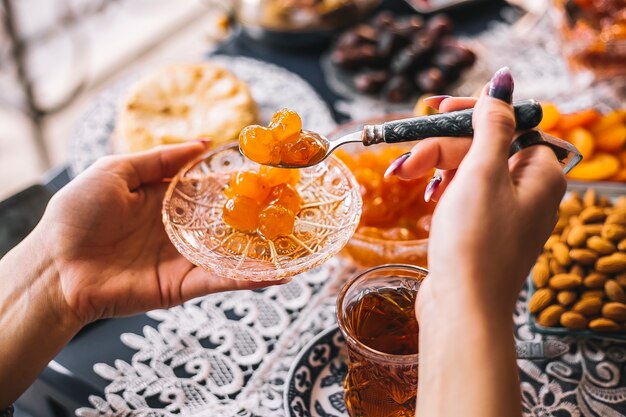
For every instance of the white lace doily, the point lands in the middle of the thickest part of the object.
(272, 88)
(222, 355)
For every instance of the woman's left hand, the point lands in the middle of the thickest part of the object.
(105, 235)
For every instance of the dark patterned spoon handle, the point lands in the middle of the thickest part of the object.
(528, 114)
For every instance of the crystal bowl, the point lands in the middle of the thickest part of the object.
(367, 251)
(192, 215)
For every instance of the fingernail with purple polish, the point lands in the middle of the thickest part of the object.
(501, 85)
(397, 163)
(432, 186)
(435, 101)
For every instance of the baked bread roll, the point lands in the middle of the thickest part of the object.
(184, 102)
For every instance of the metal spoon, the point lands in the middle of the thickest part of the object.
(528, 114)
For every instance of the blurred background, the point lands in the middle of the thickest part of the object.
(57, 56)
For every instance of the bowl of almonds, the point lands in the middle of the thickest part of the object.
(578, 284)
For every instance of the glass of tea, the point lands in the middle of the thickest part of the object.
(376, 314)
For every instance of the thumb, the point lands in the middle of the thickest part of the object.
(494, 123)
(156, 164)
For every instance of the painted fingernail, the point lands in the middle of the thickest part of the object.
(204, 141)
(396, 164)
(432, 186)
(434, 101)
(501, 85)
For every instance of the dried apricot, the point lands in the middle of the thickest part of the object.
(275, 221)
(581, 118)
(602, 166)
(550, 118)
(582, 139)
(620, 176)
(241, 213)
(608, 120)
(612, 138)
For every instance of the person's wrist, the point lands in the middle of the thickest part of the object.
(46, 286)
(461, 302)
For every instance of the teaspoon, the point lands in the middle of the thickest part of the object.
(528, 114)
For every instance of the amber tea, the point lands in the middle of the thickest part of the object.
(384, 320)
(376, 313)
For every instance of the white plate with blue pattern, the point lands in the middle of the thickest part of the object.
(315, 381)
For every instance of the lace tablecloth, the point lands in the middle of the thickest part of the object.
(228, 355)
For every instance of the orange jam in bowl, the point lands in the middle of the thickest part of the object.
(395, 221)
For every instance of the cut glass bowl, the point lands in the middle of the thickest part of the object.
(192, 215)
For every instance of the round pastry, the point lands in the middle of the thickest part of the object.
(184, 102)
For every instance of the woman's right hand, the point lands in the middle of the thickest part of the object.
(494, 213)
(493, 216)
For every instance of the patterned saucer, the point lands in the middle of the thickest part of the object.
(315, 381)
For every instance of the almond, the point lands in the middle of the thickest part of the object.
(560, 224)
(550, 316)
(617, 217)
(612, 264)
(622, 245)
(551, 241)
(592, 294)
(600, 245)
(565, 282)
(576, 236)
(560, 251)
(614, 232)
(541, 274)
(603, 201)
(574, 221)
(614, 292)
(540, 300)
(571, 207)
(573, 320)
(614, 311)
(604, 325)
(592, 214)
(555, 267)
(583, 256)
(565, 233)
(621, 279)
(567, 297)
(593, 229)
(577, 270)
(589, 199)
(595, 280)
(588, 306)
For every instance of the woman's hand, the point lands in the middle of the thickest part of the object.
(105, 234)
(494, 213)
(100, 250)
(493, 216)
